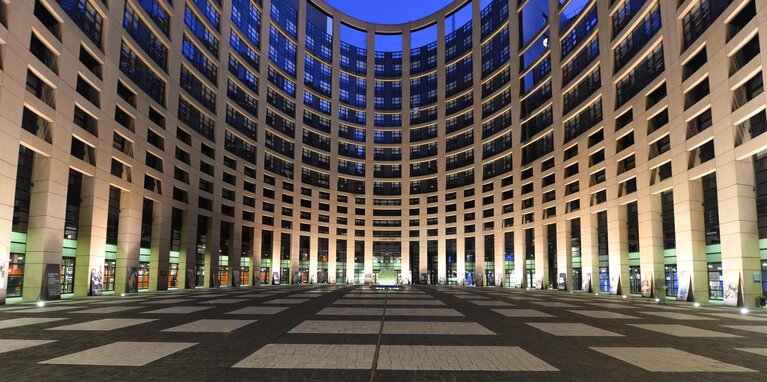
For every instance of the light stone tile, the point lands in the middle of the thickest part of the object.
(390, 301)
(310, 356)
(522, 298)
(208, 295)
(521, 313)
(554, 304)
(459, 358)
(442, 328)
(491, 303)
(682, 330)
(337, 327)
(288, 301)
(122, 300)
(46, 309)
(471, 297)
(611, 305)
(105, 324)
(16, 322)
(178, 310)
(224, 301)
(435, 312)
(679, 316)
(210, 326)
(743, 317)
(758, 351)
(166, 301)
(427, 312)
(604, 314)
(107, 309)
(12, 345)
(669, 360)
(259, 310)
(122, 354)
(566, 329)
(751, 328)
(351, 311)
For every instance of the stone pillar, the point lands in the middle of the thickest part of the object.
(212, 251)
(565, 253)
(128, 242)
(691, 238)
(313, 252)
(618, 249)
(441, 259)
(91, 233)
(187, 254)
(235, 255)
(405, 262)
(159, 258)
(541, 274)
(589, 255)
(738, 228)
(651, 242)
(460, 249)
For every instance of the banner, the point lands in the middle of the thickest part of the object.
(132, 286)
(586, 286)
(647, 285)
(276, 278)
(615, 284)
(562, 281)
(732, 288)
(52, 281)
(684, 286)
(96, 282)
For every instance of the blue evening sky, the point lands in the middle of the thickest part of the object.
(388, 11)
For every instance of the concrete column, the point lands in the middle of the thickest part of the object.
(45, 235)
(651, 242)
(460, 248)
(350, 261)
(691, 238)
(313, 252)
(91, 233)
(519, 258)
(565, 253)
(500, 252)
(541, 274)
(405, 269)
(128, 241)
(441, 259)
(212, 251)
(256, 257)
(589, 256)
(618, 249)
(738, 228)
(479, 259)
(187, 254)
(235, 254)
(422, 257)
(159, 260)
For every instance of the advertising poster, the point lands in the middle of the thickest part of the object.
(647, 287)
(684, 286)
(52, 280)
(189, 278)
(236, 278)
(586, 287)
(96, 282)
(562, 281)
(132, 280)
(276, 278)
(615, 284)
(732, 288)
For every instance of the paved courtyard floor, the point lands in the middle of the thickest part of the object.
(335, 333)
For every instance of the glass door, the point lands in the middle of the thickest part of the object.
(67, 275)
(635, 280)
(173, 276)
(715, 282)
(15, 275)
(110, 267)
(143, 276)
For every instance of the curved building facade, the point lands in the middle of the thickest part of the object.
(603, 146)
